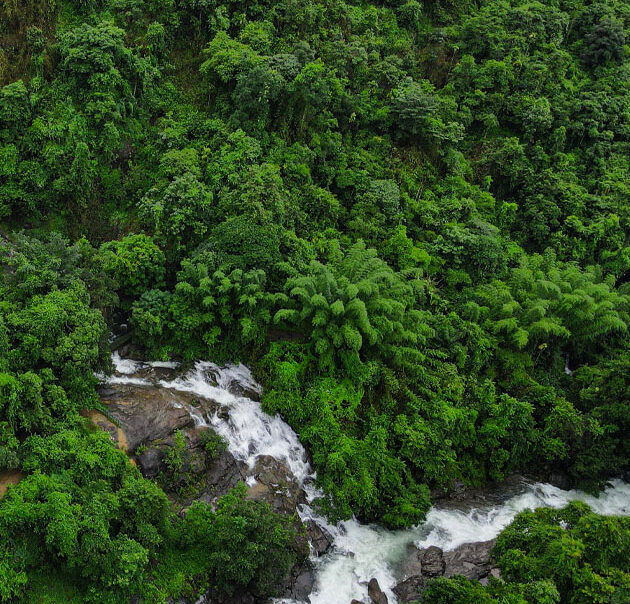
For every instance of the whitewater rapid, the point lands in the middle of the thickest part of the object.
(359, 552)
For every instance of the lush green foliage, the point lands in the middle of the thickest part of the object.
(571, 556)
(86, 514)
(411, 219)
(585, 555)
(82, 509)
(240, 545)
(83, 522)
(52, 338)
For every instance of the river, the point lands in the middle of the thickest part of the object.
(359, 552)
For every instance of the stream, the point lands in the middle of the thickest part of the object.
(359, 552)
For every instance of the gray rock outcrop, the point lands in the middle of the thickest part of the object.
(471, 560)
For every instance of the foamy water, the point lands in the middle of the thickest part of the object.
(359, 552)
(248, 430)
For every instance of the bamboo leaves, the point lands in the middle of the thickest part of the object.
(354, 305)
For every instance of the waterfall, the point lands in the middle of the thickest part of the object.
(359, 552)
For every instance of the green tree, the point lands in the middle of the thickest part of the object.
(356, 305)
(585, 555)
(136, 263)
(180, 207)
(84, 508)
(244, 544)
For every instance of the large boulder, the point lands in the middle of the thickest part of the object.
(375, 593)
(275, 485)
(472, 560)
(146, 420)
(242, 389)
(299, 582)
(223, 473)
(238, 386)
(319, 537)
(146, 413)
(433, 563)
(427, 562)
(150, 462)
(410, 590)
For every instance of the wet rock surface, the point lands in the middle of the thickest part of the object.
(243, 390)
(427, 562)
(300, 582)
(491, 494)
(223, 473)
(561, 480)
(319, 537)
(275, 485)
(144, 419)
(234, 386)
(150, 462)
(375, 593)
(461, 495)
(472, 560)
(146, 414)
(147, 418)
(411, 589)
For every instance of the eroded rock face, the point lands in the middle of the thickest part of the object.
(148, 418)
(433, 563)
(275, 485)
(299, 582)
(150, 462)
(223, 473)
(410, 590)
(427, 562)
(472, 560)
(146, 414)
(240, 389)
(320, 538)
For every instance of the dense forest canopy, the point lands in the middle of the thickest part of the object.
(411, 219)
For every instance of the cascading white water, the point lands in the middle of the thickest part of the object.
(359, 552)
(362, 552)
(249, 431)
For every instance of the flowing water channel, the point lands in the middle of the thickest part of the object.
(359, 552)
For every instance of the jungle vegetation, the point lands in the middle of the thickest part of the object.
(411, 219)
(551, 556)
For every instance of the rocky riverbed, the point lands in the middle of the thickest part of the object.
(148, 404)
(144, 416)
